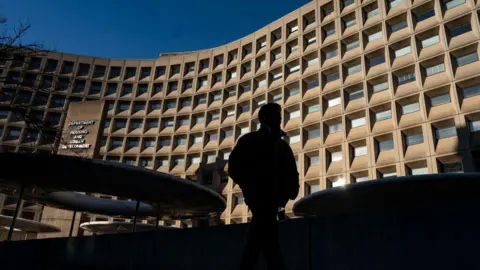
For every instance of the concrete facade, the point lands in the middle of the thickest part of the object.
(369, 89)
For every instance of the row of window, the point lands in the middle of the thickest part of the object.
(455, 28)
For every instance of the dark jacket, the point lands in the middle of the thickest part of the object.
(264, 167)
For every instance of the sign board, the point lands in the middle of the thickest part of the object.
(76, 135)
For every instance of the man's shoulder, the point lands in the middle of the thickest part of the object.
(251, 136)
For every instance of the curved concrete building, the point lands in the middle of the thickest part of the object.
(369, 89)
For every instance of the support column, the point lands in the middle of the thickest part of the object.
(15, 214)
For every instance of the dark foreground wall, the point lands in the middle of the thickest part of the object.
(414, 239)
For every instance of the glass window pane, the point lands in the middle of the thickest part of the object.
(358, 122)
(333, 128)
(410, 108)
(440, 99)
(352, 45)
(295, 114)
(380, 87)
(380, 116)
(425, 15)
(404, 79)
(442, 133)
(377, 60)
(385, 145)
(294, 139)
(354, 69)
(467, 59)
(399, 26)
(331, 54)
(430, 41)
(403, 51)
(360, 151)
(395, 3)
(455, 167)
(471, 91)
(313, 108)
(435, 69)
(475, 126)
(453, 3)
(461, 29)
(355, 95)
(312, 134)
(334, 102)
(375, 36)
(336, 156)
(414, 139)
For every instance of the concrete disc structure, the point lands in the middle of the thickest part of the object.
(169, 194)
(409, 192)
(26, 225)
(107, 227)
(84, 203)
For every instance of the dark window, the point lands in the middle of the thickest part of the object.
(157, 88)
(67, 67)
(120, 124)
(53, 119)
(466, 59)
(454, 167)
(146, 72)
(127, 89)
(377, 60)
(130, 72)
(95, 88)
(385, 145)
(47, 82)
(355, 95)
(461, 29)
(414, 139)
(99, 71)
(114, 72)
(332, 77)
(471, 91)
(83, 69)
(116, 143)
(124, 106)
(440, 99)
(142, 89)
(41, 99)
(30, 136)
(111, 88)
(159, 71)
(3, 114)
(51, 65)
(152, 123)
(62, 85)
(425, 15)
(404, 79)
(79, 86)
(139, 107)
(58, 102)
(442, 133)
(35, 63)
(136, 124)
(13, 134)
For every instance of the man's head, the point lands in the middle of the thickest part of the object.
(270, 115)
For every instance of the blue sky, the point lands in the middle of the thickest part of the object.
(141, 28)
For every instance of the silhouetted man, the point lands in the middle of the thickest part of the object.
(264, 166)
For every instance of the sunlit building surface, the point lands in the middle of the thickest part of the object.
(369, 90)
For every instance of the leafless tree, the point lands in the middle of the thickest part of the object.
(24, 84)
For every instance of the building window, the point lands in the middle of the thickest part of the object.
(196, 160)
(350, 22)
(466, 59)
(380, 116)
(127, 89)
(314, 160)
(358, 122)
(311, 84)
(414, 139)
(313, 108)
(165, 142)
(440, 99)
(119, 124)
(197, 139)
(354, 69)
(336, 156)
(425, 15)
(471, 91)
(355, 95)
(212, 137)
(442, 133)
(181, 141)
(142, 89)
(169, 123)
(403, 51)
(394, 3)
(152, 124)
(130, 161)
(372, 13)
(294, 114)
(163, 162)
(334, 102)
(385, 145)
(360, 151)
(453, 3)
(331, 54)
(67, 67)
(116, 143)
(374, 36)
(404, 79)
(96, 88)
(329, 32)
(130, 72)
(13, 134)
(83, 69)
(379, 87)
(294, 139)
(454, 167)
(474, 126)
(430, 41)
(332, 77)
(313, 134)
(410, 108)
(399, 26)
(334, 128)
(376, 60)
(388, 175)
(133, 142)
(435, 69)
(461, 29)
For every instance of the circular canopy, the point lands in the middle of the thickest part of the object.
(171, 195)
(421, 191)
(85, 203)
(27, 225)
(106, 227)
